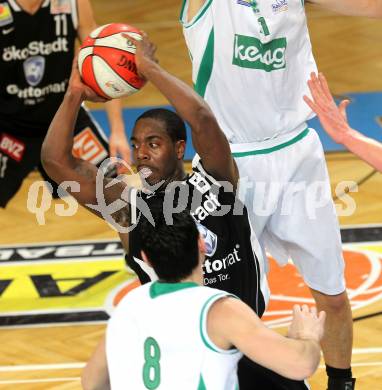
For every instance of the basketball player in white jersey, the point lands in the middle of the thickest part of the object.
(334, 121)
(251, 60)
(175, 334)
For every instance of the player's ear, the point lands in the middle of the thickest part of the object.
(201, 245)
(146, 259)
(180, 148)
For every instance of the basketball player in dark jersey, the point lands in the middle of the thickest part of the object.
(37, 50)
(208, 193)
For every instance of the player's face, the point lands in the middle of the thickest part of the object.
(154, 152)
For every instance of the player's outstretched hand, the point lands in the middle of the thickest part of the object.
(306, 324)
(76, 85)
(145, 52)
(333, 119)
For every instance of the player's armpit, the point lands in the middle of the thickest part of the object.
(193, 8)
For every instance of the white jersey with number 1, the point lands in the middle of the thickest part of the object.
(251, 62)
(157, 339)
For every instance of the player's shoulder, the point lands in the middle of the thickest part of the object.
(198, 169)
(135, 296)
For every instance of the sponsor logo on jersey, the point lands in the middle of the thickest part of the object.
(210, 239)
(200, 183)
(217, 265)
(87, 147)
(250, 52)
(36, 93)
(12, 147)
(5, 14)
(35, 48)
(249, 3)
(34, 68)
(246, 3)
(60, 7)
(280, 6)
(209, 205)
(7, 31)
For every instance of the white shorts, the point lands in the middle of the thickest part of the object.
(287, 193)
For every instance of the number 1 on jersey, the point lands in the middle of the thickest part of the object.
(151, 368)
(264, 26)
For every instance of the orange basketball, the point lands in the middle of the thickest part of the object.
(107, 61)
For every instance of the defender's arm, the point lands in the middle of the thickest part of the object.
(118, 143)
(295, 358)
(95, 375)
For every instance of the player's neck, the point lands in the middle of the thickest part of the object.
(30, 6)
(178, 175)
(195, 277)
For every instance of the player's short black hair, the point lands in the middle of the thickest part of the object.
(174, 124)
(172, 249)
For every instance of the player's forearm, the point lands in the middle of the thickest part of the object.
(308, 354)
(366, 148)
(295, 359)
(368, 8)
(57, 147)
(114, 115)
(190, 106)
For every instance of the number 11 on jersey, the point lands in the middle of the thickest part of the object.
(61, 24)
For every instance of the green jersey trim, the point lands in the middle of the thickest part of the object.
(203, 324)
(197, 17)
(201, 385)
(182, 11)
(206, 65)
(298, 137)
(158, 288)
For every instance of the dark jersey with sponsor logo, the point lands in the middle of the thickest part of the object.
(35, 63)
(231, 263)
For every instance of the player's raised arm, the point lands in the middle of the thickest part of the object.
(334, 121)
(295, 357)
(208, 139)
(56, 153)
(369, 8)
(118, 144)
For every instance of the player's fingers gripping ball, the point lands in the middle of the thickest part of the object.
(107, 61)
